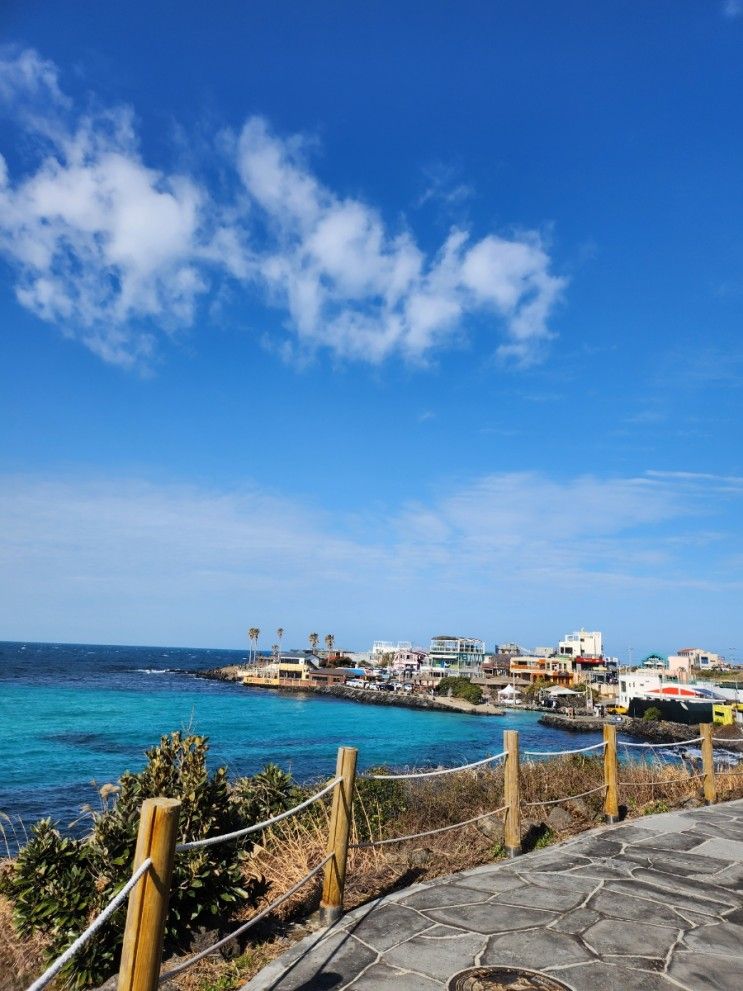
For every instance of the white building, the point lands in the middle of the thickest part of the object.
(707, 660)
(456, 652)
(582, 644)
(380, 648)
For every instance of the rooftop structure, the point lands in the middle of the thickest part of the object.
(457, 652)
(582, 644)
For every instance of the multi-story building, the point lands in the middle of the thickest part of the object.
(408, 661)
(582, 644)
(457, 652)
(707, 660)
(383, 648)
(559, 669)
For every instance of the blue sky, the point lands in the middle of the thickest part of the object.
(375, 319)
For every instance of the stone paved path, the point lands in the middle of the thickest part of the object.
(653, 905)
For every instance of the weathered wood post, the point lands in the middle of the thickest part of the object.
(511, 794)
(334, 881)
(141, 953)
(708, 764)
(611, 796)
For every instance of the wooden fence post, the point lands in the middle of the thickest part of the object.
(334, 881)
(141, 953)
(708, 764)
(511, 794)
(611, 797)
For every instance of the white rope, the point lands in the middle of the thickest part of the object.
(251, 922)
(562, 753)
(429, 832)
(94, 926)
(662, 746)
(224, 837)
(431, 774)
(558, 801)
(731, 741)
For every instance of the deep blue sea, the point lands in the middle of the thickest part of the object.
(73, 717)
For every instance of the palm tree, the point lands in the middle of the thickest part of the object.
(329, 641)
(253, 634)
(280, 637)
(314, 639)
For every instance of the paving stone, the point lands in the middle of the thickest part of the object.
(656, 965)
(618, 905)
(598, 976)
(536, 949)
(701, 890)
(730, 830)
(672, 841)
(491, 881)
(672, 822)
(601, 846)
(551, 862)
(630, 834)
(629, 937)
(604, 868)
(724, 849)
(492, 918)
(699, 971)
(730, 877)
(568, 882)
(577, 921)
(672, 862)
(436, 958)
(666, 895)
(334, 962)
(539, 896)
(445, 894)
(388, 925)
(723, 938)
(380, 977)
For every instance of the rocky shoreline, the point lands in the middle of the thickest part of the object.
(653, 732)
(364, 696)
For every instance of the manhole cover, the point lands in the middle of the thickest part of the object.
(504, 979)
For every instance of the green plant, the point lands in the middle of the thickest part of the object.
(652, 715)
(460, 688)
(58, 884)
(656, 807)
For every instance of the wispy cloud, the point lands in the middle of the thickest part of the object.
(732, 9)
(114, 251)
(132, 557)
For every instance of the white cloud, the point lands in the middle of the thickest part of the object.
(113, 250)
(732, 9)
(172, 563)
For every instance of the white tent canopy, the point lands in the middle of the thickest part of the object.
(562, 691)
(509, 691)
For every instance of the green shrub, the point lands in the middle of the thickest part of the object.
(652, 715)
(57, 884)
(460, 688)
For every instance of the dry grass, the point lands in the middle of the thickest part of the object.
(21, 960)
(289, 850)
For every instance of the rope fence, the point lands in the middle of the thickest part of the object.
(568, 798)
(437, 772)
(428, 832)
(157, 846)
(238, 833)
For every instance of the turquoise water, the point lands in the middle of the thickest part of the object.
(73, 715)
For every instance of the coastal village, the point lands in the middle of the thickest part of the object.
(575, 676)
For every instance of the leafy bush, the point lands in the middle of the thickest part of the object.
(652, 715)
(58, 884)
(460, 688)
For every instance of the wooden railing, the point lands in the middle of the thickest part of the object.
(148, 889)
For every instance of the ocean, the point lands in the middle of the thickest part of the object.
(73, 717)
